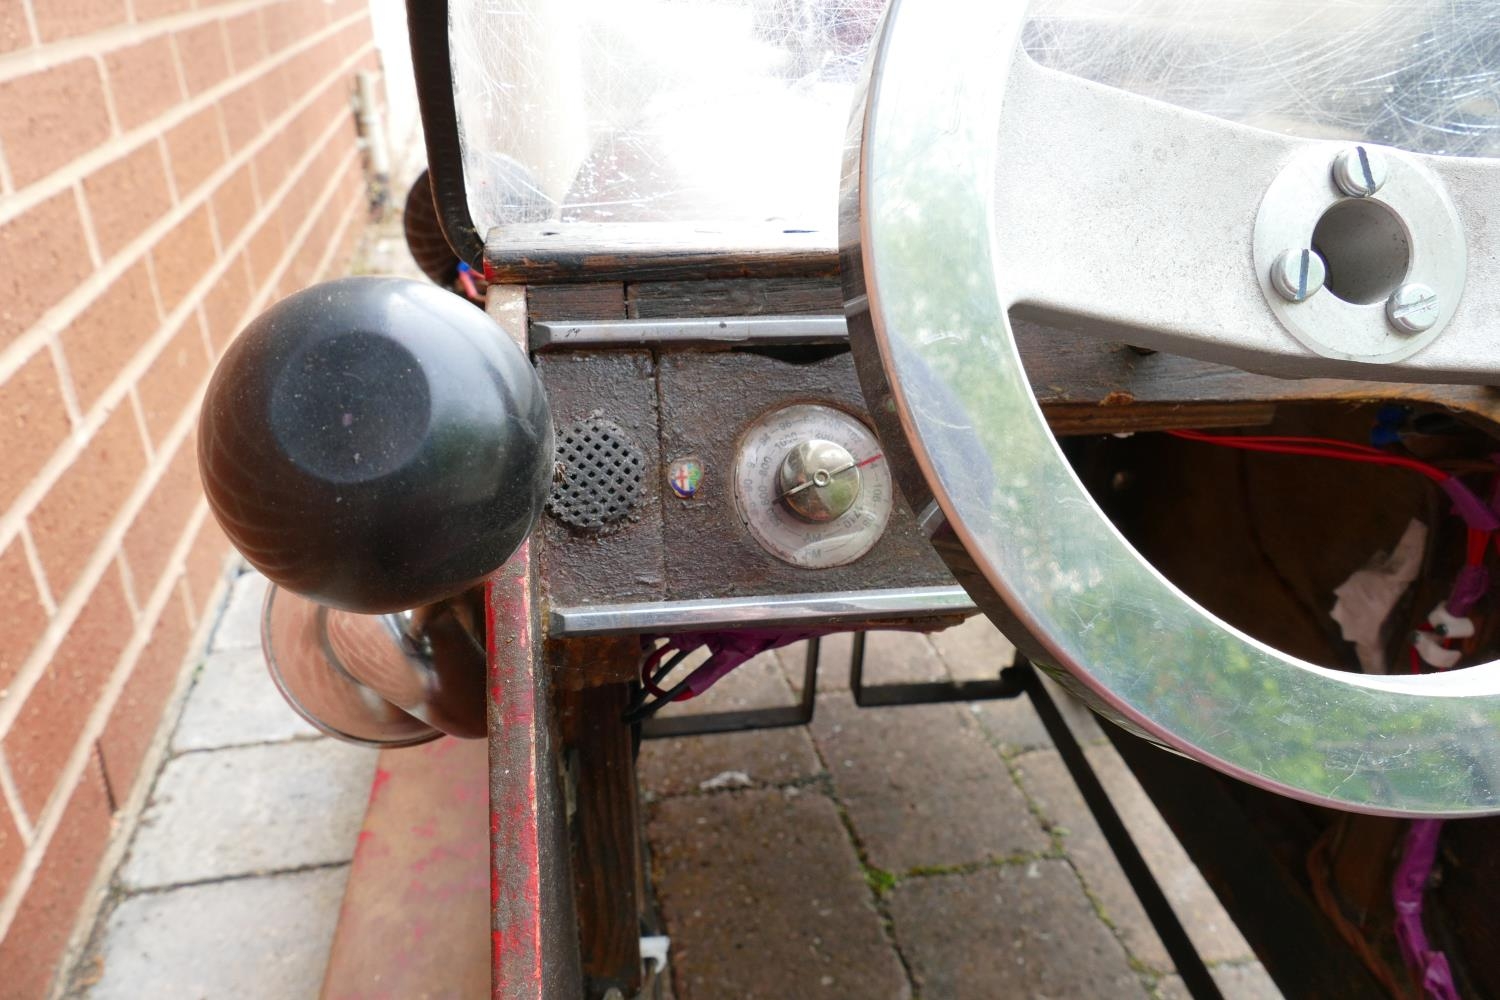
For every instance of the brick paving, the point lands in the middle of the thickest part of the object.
(232, 882)
(944, 842)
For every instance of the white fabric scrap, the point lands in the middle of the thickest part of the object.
(1430, 649)
(1364, 601)
(1447, 625)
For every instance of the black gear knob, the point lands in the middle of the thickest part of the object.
(375, 444)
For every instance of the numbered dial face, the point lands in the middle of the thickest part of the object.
(807, 439)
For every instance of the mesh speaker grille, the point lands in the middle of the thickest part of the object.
(600, 482)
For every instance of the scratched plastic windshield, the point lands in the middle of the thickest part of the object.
(735, 111)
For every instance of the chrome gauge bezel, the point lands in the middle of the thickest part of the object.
(759, 453)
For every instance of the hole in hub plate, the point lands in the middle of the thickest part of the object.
(1366, 248)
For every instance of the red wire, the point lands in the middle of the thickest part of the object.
(1294, 439)
(1325, 448)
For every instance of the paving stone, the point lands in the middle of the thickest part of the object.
(922, 786)
(1022, 930)
(974, 650)
(833, 663)
(1082, 720)
(239, 626)
(763, 896)
(220, 813)
(768, 757)
(1012, 723)
(245, 938)
(890, 657)
(1046, 780)
(234, 702)
(1237, 982)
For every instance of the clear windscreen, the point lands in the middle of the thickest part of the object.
(736, 111)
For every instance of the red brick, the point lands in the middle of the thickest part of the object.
(41, 259)
(247, 40)
(234, 204)
(33, 423)
(273, 96)
(65, 18)
(205, 60)
(182, 257)
(143, 80)
(31, 949)
(126, 196)
(15, 33)
(146, 10)
(196, 148)
(50, 722)
(49, 118)
(173, 378)
(109, 333)
(25, 620)
(11, 848)
(266, 248)
(205, 562)
(138, 712)
(225, 305)
(71, 519)
(242, 120)
(286, 23)
(163, 519)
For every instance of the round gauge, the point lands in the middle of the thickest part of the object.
(812, 486)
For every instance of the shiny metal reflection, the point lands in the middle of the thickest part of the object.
(928, 315)
(318, 686)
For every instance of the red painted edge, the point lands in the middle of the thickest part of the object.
(515, 837)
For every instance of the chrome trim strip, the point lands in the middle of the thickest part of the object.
(780, 611)
(741, 331)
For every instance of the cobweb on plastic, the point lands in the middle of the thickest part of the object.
(660, 110)
(736, 110)
(1422, 75)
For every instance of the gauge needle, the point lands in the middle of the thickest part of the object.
(821, 478)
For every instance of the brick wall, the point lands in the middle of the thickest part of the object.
(167, 169)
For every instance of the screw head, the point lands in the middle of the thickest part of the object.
(1412, 308)
(1359, 171)
(1298, 274)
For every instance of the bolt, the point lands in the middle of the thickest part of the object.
(1412, 308)
(1298, 274)
(1359, 172)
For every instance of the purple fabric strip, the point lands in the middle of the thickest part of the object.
(728, 649)
(1472, 583)
(1417, 857)
(1475, 512)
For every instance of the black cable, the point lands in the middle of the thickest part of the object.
(639, 700)
(646, 711)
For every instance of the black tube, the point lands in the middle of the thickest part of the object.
(427, 25)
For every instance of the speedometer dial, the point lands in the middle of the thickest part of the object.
(811, 486)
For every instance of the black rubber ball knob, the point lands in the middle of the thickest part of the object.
(375, 444)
